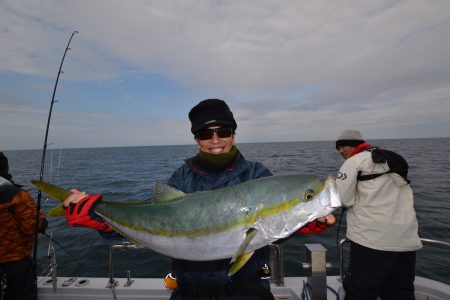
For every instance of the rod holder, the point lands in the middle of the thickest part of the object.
(316, 270)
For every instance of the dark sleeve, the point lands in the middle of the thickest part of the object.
(259, 171)
(176, 179)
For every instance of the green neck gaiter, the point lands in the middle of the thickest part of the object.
(217, 162)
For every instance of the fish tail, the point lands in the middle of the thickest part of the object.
(52, 190)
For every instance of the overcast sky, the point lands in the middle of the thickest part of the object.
(290, 70)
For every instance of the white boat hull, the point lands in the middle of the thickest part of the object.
(153, 288)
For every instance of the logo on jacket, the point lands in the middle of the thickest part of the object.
(341, 176)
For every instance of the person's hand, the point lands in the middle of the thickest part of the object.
(75, 197)
(328, 219)
(318, 225)
(79, 211)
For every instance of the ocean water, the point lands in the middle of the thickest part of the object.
(126, 173)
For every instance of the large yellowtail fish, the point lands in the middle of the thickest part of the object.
(230, 222)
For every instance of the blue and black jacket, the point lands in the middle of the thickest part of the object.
(191, 177)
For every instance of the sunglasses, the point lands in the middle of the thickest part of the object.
(207, 133)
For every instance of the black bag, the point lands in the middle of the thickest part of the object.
(397, 164)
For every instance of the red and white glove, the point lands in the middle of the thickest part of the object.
(314, 227)
(81, 214)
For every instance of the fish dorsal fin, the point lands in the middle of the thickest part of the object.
(164, 193)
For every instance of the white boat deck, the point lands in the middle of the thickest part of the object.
(321, 287)
(153, 288)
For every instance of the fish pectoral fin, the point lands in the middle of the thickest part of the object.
(249, 235)
(57, 211)
(164, 193)
(240, 261)
(52, 190)
(241, 257)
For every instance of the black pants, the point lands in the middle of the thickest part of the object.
(19, 281)
(372, 273)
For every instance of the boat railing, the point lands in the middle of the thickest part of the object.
(435, 242)
(341, 258)
(276, 261)
(50, 273)
(276, 264)
(125, 246)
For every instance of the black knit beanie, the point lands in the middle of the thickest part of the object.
(211, 112)
(350, 137)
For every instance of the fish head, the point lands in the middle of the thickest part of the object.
(328, 196)
(301, 198)
(314, 197)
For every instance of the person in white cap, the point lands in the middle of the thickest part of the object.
(381, 224)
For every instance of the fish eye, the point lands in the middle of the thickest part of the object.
(309, 195)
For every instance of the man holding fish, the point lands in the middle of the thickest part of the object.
(238, 217)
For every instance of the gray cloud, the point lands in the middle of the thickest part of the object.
(381, 66)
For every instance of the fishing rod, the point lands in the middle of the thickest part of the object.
(51, 238)
(41, 176)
